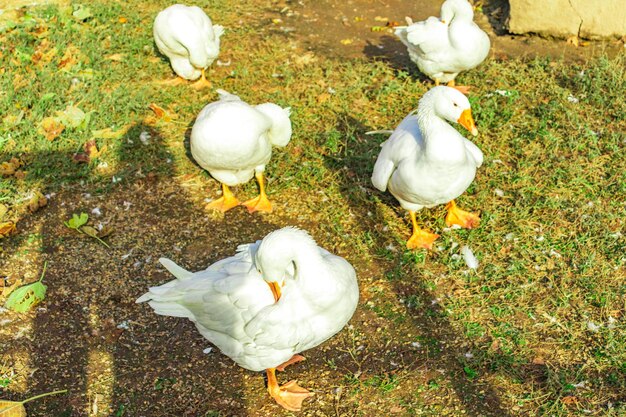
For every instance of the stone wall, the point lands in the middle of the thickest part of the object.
(562, 18)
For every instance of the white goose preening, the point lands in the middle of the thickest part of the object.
(441, 48)
(233, 141)
(261, 307)
(186, 35)
(426, 162)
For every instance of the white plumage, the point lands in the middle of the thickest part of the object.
(233, 306)
(425, 161)
(186, 35)
(233, 140)
(441, 48)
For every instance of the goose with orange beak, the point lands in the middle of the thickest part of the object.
(426, 162)
(261, 307)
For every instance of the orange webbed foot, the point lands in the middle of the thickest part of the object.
(290, 395)
(421, 239)
(222, 204)
(260, 203)
(201, 83)
(465, 219)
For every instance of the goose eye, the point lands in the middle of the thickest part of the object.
(456, 105)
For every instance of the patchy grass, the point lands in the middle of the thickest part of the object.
(538, 329)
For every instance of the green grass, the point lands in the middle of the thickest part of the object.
(552, 259)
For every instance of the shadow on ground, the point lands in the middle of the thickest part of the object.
(113, 356)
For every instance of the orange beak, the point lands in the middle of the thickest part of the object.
(467, 121)
(275, 290)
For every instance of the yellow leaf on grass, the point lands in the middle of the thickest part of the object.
(160, 112)
(13, 120)
(37, 201)
(69, 59)
(7, 290)
(6, 229)
(91, 149)
(51, 128)
(116, 57)
(12, 409)
(346, 41)
(10, 167)
(73, 117)
(109, 133)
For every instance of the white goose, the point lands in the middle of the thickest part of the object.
(233, 141)
(186, 35)
(442, 48)
(273, 299)
(426, 162)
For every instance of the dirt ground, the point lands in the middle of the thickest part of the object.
(357, 29)
(116, 359)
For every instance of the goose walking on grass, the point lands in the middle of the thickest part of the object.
(443, 47)
(233, 141)
(426, 162)
(186, 35)
(261, 307)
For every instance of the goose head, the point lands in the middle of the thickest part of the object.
(280, 132)
(451, 9)
(278, 257)
(451, 105)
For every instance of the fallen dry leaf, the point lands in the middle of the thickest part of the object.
(105, 231)
(322, 98)
(80, 157)
(116, 57)
(569, 400)
(12, 409)
(7, 290)
(10, 167)
(19, 81)
(122, 19)
(37, 201)
(13, 120)
(305, 59)
(68, 60)
(160, 112)
(91, 149)
(346, 41)
(538, 361)
(109, 133)
(51, 128)
(6, 229)
(43, 54)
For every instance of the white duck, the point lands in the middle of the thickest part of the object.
(186, 35)
(442, 48)
(233, 141)
(426, 162)
(275, 298)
